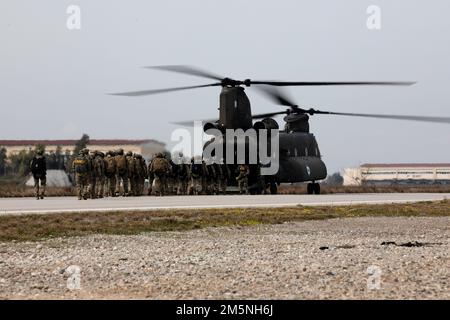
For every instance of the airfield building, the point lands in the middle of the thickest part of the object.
(398, 173)
(146, 147)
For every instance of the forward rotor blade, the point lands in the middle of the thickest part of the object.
(190, 123)
(156, 91)
(334, 83)
(389, 116)
(193, 71)
(277, 96)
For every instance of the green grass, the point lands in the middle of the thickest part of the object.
(40, 227)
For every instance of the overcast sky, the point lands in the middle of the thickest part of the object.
(53, 81)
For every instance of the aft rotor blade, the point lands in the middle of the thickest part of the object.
(334, 83)
(193, 71)
(156, 91)
(388, 116)
(267, 115)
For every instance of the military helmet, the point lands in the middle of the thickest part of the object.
(129, 153)
(40, 152)
(119, 152)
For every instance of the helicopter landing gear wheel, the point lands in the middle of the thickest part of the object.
(273, 188)
(309, 188)
(316, 188)
(313, 188)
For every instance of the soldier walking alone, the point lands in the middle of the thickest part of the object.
(38, 168)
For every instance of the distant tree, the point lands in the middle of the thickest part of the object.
(335, 179)
(20, 162)
(52, 163)
(2, 161)
(81, 144)
(39, 147)
(60, 160)
(167, 154)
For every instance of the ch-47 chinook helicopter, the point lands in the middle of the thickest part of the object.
(300, 158)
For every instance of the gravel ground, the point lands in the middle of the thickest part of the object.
(335, 258)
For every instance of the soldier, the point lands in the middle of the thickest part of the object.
(182, 180)
(99, 170)
(197, 173)
(172, 179)
(121, 173)
(110, 172)
(242, 178)
(38, 167)
(159, 168)
(141, 167)
(219, 178)
(226, 175)
(81, 168)
(260, 180)
(92, 177)
(151, 177)
(211, 176)
(131, 172)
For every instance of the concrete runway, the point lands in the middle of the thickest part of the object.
(14, 206)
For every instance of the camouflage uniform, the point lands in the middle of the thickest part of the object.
(99, 172)
(38, 168)
(182, 178)
(173, 180)
(131, 172)
(218, 178)
(121, 173)
(159, 168)
(92, 177)
(242, 178)
(151, 177)
(110, 172)
(141, 169)
(197, 173)
(224, 177)
(211, 176)
(82, 169)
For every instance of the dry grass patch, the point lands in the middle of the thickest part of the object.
(38, 227)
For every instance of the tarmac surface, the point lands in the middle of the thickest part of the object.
(14, 206)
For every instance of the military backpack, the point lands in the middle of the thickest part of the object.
(121, 162)
(81, 165)
(110, 165)
(160, 165)
(38, 166)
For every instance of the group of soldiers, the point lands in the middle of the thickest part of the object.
(116, 173)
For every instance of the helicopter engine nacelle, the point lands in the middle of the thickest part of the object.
(267, 123)
(209, 125)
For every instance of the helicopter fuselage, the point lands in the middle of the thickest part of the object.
(299, 155)
(300, 158)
